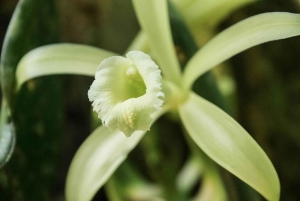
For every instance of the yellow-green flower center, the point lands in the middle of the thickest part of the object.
(126, 92)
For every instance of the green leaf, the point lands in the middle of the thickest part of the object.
(35, 112)
(96, 160)
(153, 18)
(60, 59)
(245, 34)
(7, 137)
(229, 145)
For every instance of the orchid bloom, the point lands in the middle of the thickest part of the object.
(128, 93)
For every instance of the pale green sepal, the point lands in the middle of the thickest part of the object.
(153, 18)
(245, 34)
(60, 59)
(229, 145)
(96, 160)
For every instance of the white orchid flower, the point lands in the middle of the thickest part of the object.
(215, 132)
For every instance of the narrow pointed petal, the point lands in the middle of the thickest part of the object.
(153, 18)
(96, 160)
(245, 34)
(60, 59)
(229, 145)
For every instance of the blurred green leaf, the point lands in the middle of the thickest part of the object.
(127, 183)
(35, 113)
(7, 137)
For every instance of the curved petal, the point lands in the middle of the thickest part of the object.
(60, 59)
(127, 91)
(245, 34)
(228, 144)
(97, 158)
(153, 18)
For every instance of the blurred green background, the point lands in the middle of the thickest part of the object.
(262, 86)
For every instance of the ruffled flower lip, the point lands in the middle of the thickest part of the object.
(127, 91)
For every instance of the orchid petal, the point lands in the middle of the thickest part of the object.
(60, 59)
(229, 145)
(127, 91)
(153, 18)
(97, 159)
(245, 34)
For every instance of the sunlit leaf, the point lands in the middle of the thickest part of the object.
(229, 145)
